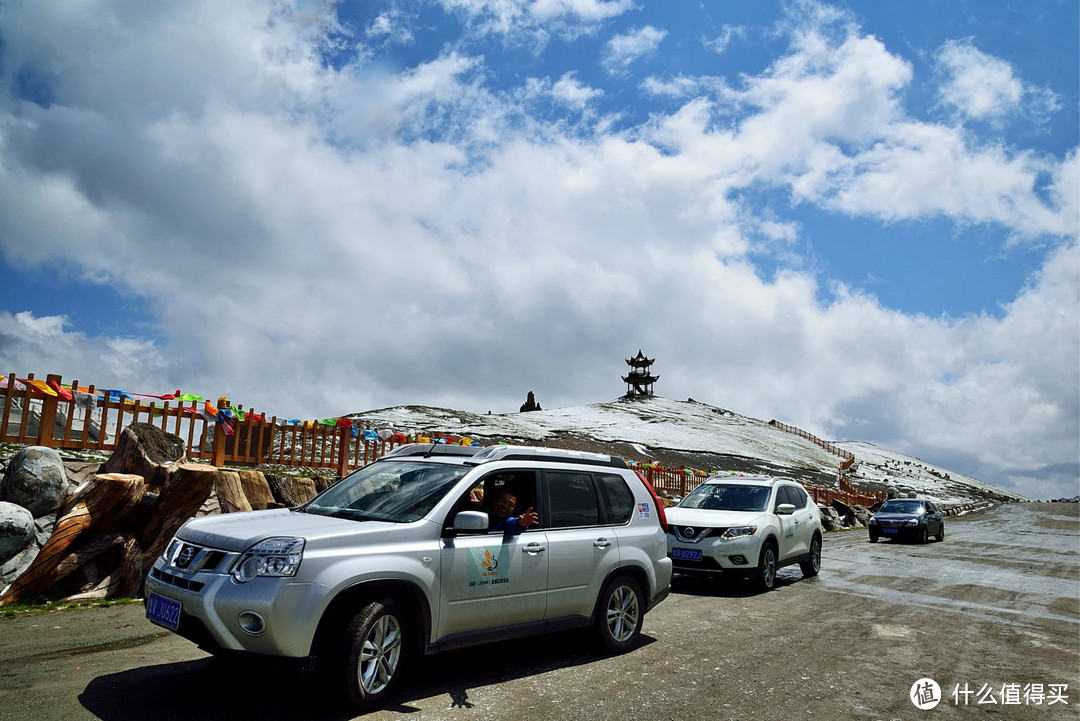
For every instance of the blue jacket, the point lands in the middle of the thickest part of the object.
(507, 525)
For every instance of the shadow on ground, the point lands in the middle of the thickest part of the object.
(212, 688)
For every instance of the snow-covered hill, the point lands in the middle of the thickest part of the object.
(697, 435)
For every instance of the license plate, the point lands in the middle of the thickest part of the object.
(890, 530)
(163, 611)
(685, 554)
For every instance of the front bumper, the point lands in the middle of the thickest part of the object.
(214, 605)
(718, 556)
(904, 533)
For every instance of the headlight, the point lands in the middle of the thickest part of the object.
(738, 532)
(873, 520)
(276, 557)
(912, 522)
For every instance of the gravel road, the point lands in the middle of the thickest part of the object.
(994, 609)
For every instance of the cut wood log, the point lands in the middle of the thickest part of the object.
(256, 489)
(230, 492)
(102, 503)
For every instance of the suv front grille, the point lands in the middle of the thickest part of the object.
(177, 581)
(693, 534)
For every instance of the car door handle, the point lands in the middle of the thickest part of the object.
(602, 543)
(533, 548)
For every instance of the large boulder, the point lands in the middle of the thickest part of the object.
(36, 480)
(16, 530)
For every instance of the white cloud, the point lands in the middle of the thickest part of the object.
(622, 51)
(568, 91)
(728, 33)
(317, 242)
(979, 85)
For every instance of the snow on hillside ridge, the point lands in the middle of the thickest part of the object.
(653, 424)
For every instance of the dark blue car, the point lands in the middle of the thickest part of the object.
(913, 519)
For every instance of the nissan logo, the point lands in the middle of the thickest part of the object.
(689, 532)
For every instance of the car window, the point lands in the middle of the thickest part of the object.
(727, 497)
(572, 500)
(797, 496)
(902, 506)
(619, 500)
(783, 495)
(395, 491)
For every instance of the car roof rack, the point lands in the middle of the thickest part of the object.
(430, 449)
(490, 454)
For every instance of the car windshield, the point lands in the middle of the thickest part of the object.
(394, 491)
(902, 507)
(727, 497)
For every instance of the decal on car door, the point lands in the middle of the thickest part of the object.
(489, 568)
(789, 526)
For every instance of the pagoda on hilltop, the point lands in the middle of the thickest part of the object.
(639, 381)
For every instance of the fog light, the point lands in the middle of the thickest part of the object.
(738, 560)
(252, 623)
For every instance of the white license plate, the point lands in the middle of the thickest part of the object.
(685, 554)
(163, 611)
(890, 530)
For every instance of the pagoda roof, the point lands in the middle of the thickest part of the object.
(640, 359)
(640, 379)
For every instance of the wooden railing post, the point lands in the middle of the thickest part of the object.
(343, 451)
(48, 414)
(217, 455)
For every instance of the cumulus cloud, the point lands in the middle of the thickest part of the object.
(317, 241)
(622, 51)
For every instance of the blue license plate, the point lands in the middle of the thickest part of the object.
(890, 530)
(685, 554)
(163, 611)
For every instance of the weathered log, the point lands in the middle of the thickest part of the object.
(290, 491)
(131, 576)
(102, 503)
(182, 493)
(230, 492)
(147, 451)
(256, 489)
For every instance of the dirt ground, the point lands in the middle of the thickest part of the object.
(994, 610)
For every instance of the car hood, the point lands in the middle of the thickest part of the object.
(239, 531)
(704, 518)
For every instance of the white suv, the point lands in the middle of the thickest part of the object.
(745, 526)
(397, 560)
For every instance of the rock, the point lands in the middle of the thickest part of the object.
(35, 480)
(16, 530)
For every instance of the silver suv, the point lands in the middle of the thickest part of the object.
(745, 526)
(413, 554)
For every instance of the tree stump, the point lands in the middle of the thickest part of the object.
(230, 492)
(101, 505)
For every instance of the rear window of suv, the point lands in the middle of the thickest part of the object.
(620, 499)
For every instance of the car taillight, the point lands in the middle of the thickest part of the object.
(656, 500)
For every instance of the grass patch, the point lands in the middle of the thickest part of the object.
(38, 606)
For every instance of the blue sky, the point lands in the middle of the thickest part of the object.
(858, 218)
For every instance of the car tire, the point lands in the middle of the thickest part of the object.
(767, 566)
(812, 565)
(924, 537)
(376, 652)
(620, 614)
(873, 538)
(941, 534)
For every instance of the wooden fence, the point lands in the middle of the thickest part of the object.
(680, 482)
(48, 413)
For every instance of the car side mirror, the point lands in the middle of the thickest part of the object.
(785, 509)
(471, 522)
